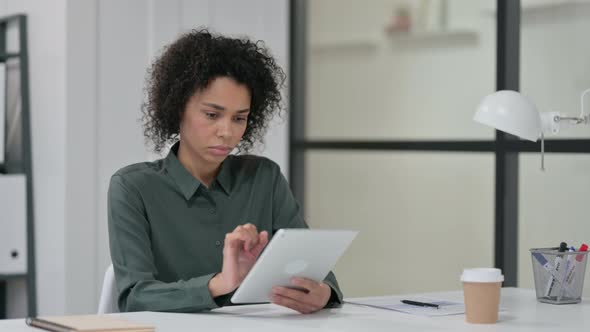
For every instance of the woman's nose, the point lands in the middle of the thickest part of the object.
(224, 129)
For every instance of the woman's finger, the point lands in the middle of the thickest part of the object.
(294, 294)
(262, 242)
(305, 283)
(246, 235)
(293, 304)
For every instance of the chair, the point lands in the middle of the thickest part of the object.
(108, 296)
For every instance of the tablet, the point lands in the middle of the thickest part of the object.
(293, 252)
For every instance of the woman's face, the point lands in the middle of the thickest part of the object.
(214, 120)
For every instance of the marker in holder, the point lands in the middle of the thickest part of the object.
(559, 284)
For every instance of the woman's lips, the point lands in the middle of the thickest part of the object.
(220, 150)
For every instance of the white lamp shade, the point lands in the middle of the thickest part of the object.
(511, 112)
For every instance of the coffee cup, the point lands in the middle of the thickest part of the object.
(481, 292)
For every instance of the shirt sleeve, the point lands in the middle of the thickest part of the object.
(288, 214)
(133, 261)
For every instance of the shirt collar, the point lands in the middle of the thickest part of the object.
(186, 182)
(224, 176)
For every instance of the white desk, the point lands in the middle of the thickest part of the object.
(523, 313)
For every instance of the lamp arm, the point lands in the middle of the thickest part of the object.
(575, 120)
(550, 124)
(555, 118)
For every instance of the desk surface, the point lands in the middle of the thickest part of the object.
(523, 313)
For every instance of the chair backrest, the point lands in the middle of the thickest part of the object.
(108, 296)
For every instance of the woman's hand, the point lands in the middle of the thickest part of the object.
(310, 296)
(241, 248)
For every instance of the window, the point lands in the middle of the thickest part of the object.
(382, 137)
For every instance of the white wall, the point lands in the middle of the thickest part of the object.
(81, 156)
(123, 56)
(88, 60)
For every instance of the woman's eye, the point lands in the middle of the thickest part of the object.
(241, 119)
(211, 115)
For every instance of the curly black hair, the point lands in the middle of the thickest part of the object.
(190, 64)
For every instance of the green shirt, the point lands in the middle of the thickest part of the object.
(166, 229)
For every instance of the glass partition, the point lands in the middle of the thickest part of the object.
(422, 217)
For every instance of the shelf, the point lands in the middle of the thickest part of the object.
(12, 276)
(19, 162)
(532, 6)
(6, 56)
(444, 37)
(427, 37)
(343, 45)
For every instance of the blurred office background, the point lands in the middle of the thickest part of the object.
(392, 75)
(372, 80)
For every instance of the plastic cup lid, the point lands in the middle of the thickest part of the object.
(482, 275)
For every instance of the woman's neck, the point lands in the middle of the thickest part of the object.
(199, 168)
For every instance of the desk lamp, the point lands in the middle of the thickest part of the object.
(513, 113)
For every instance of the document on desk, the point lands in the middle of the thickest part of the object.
(445, 308)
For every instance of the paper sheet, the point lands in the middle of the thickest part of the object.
(446, 308)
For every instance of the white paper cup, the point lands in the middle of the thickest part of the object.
(481, 292)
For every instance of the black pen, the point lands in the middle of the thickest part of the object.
(422, 304)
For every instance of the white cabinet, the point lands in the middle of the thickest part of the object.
(13, 224)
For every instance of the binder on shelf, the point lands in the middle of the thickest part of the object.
(2, 110)
(13, 224)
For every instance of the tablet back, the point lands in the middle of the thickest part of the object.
(300, 252)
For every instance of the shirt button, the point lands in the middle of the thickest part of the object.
(212, 211)
(218, 243)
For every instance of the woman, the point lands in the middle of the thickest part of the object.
(185, 230)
